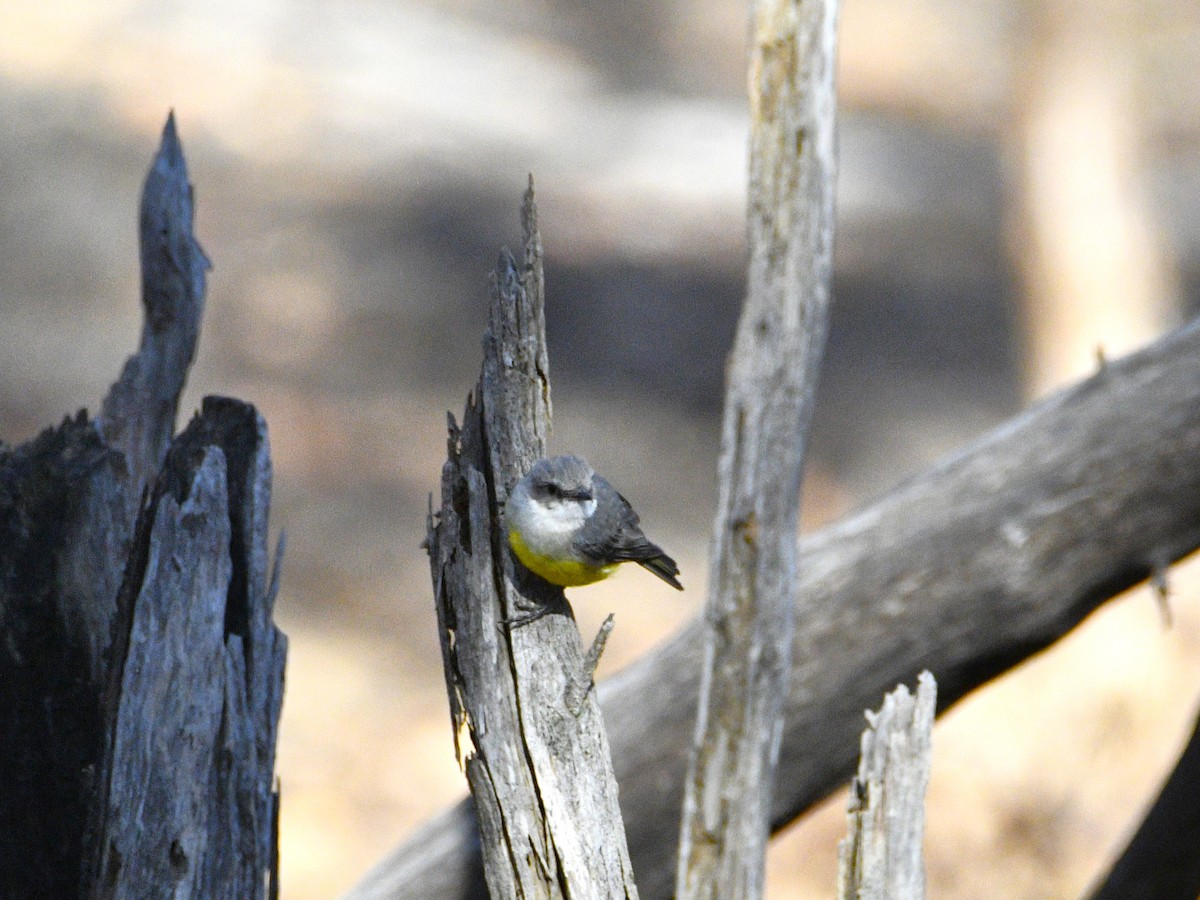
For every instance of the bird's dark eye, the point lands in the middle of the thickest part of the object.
(552, 490)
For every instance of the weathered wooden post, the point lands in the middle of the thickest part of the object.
(769, 396)
(528, 732)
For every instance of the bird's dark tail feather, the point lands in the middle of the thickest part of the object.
(664, 567)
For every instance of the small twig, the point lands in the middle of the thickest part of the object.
(1162, 595)
(577, 689)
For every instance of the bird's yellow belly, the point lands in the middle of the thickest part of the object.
(563, 572)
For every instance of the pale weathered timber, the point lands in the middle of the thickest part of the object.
(534, 750)
(123, 740)
(881, 856)
(772, 375)
(965, 570)
(1163, 857)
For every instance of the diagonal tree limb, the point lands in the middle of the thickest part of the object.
(966, 570)
(772, 376)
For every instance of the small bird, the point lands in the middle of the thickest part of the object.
(571, 527)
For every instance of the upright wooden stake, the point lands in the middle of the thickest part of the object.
(768, 404)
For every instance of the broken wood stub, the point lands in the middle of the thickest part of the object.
(141, 674)
(881, 858)
(535, 756)
(188, 802)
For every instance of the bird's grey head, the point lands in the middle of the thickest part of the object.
(562, 480)
(551, 503)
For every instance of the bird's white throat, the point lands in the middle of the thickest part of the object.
(558, 516)
(548, 528)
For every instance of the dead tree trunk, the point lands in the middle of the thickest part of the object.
(772, 376)
(141, 675)
(526, 728)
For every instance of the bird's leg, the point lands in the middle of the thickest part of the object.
(534, 598)
(525, 618)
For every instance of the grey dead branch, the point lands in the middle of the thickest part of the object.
(772, 374)
(528, 729)
(141, 675)
(881, 856)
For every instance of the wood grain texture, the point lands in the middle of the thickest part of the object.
(965, 570)
(772, 375)
(141, 674)
(535, 753)
(68, 506)
(881, 858)
(186, 801)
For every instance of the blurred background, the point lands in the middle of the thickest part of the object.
(1020, 189)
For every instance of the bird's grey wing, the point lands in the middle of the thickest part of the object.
(612, 534)
(664, 567)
